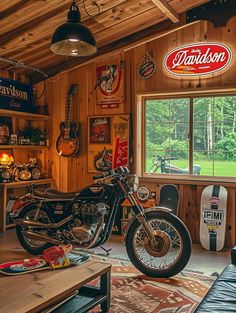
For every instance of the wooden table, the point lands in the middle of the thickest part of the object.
(38, 291)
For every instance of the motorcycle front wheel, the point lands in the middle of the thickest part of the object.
(170, 252)
(32, 246)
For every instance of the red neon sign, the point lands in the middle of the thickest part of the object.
(198, 59)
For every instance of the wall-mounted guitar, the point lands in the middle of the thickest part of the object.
(68, 144)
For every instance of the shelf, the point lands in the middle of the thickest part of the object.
(24, 147)
(25, 115)
(27, 183)
(10, 225)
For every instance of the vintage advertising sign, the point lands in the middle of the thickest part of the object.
(16, 96)
(198, 59)
(100, 129)
(147, 67)
(110, 84)
(111, 148)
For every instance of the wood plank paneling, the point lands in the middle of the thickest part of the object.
(72, 174)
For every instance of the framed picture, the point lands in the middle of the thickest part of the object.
(5, 130)
(100, 129)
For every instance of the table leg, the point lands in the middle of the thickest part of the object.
(106, 290)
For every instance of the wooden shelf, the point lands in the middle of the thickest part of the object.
(27, 116)
(23, 147)
(27, 183)
(10, 225)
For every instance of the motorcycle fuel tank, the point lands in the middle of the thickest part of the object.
(95, 191)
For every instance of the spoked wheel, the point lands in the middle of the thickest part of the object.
(31, 245)
(168, 254)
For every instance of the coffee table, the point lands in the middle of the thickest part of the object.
(40, 291)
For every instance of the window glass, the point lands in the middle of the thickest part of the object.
(167, 131)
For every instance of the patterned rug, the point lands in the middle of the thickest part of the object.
(133, 292)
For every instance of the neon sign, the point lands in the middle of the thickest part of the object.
(198, 59)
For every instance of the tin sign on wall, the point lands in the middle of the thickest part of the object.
(198, 59)
(147, 66)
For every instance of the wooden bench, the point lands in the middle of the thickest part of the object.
(40, 291)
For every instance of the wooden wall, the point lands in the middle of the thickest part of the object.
(72, 174)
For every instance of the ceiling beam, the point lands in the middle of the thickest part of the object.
(167, 10)
(13, 8)
(18, 31)
(124, 44)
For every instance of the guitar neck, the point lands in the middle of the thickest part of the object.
(68, 113)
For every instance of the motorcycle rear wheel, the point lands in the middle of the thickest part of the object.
(32, 246)
(171, 253)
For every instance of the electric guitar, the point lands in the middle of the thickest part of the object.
(68, 144)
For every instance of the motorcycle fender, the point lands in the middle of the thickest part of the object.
(14, 214)
(154, 208)
(159, 208)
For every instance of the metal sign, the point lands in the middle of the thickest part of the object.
(147, 67)
(198, 59)
(16, 96)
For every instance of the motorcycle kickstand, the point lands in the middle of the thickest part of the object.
(106, 250)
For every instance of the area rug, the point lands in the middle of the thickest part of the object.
(133, 292)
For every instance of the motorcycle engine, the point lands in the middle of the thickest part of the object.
(90, 215)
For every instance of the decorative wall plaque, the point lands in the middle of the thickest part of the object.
(147, 66)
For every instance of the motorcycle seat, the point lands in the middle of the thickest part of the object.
(54, 194)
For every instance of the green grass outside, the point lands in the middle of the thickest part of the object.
(221, 168)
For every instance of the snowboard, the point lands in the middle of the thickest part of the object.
(213, 217)
(43, 262)
(169, 198)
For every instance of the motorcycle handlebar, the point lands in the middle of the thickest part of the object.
(103, 175)
(171, 158)
(166, 159)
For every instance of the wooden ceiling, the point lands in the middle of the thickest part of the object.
(26, 27)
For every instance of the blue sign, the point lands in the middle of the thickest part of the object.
(16, 96)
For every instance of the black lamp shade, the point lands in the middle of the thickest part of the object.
(73, 38)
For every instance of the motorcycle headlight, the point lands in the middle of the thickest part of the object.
(133, 182)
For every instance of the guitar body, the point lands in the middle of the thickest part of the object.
(68, 144)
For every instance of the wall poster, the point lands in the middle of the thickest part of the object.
(108, 143)
(110, 84)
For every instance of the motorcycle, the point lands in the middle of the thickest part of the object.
(103, 160)
(168, 168)
(157, 242)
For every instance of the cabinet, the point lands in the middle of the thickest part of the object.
(22, 154)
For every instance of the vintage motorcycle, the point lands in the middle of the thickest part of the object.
(166, 167)
(157, 242)
(103, 160)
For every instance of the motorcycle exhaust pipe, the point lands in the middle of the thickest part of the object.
(41, 237)
(29, 223)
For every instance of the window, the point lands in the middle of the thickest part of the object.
(190, 135)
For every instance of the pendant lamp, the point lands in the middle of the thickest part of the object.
(73, 38)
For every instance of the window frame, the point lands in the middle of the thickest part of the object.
(141, 132)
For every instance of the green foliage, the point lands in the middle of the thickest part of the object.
(179, 148)
(226, 147)
(214, 127)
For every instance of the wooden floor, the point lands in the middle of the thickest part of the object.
(201, 260)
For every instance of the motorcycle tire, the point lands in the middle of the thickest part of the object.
(32, 246)
(174, 227)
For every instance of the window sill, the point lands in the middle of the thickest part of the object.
(189, 180)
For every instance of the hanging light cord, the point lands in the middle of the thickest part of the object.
(92, 16)
(20, 64)
(94, 3)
